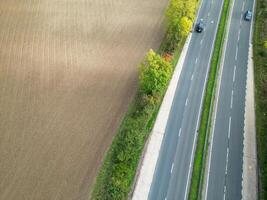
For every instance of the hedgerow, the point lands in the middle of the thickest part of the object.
(116, 176)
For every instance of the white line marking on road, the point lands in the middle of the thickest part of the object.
(232, 93)
(243, 6)
(208, 14)
(180, 132)
(234, 74)
(231, 102)
(236, 53)
(238, 35)
(240, 21)
(212, 22)
(192, 77)
(227, 156)
(172, 167)
(229, 128)
(224, 192)
(227, 159)
(186, 102)
(196, 60)
(201, 41)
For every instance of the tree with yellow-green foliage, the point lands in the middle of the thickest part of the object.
(185, 26)
(154, 74)
(180, 15)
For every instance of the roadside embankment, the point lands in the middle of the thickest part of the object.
(260, 78)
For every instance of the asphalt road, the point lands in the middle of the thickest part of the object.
(174, 166)
(224, 179)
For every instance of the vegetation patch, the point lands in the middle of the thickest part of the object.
(201, 149)
(260, 76)
(118, 171)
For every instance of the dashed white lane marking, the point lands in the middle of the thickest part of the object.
(212, 22)
(196, 60)
(234, 74)
(224, 192)
(180, 132)
(232, 97)
(231, 102)
(201, 41)
(238, 35)
(229, 128)
(240, 21)
(172, 167)
(243, 6)
(227, 159)
(226, 170)
(208, 14)
(192, 77)
(186, 102)
(236, 53)
(227, 156)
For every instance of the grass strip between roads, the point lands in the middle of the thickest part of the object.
(260, 77)
(201, 149)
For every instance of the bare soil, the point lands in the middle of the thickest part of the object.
(68, 71)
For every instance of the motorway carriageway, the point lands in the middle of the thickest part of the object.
(224, 178)
(172, 176)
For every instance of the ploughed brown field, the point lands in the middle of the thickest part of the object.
(68, 71)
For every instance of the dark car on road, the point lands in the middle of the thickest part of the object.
(199, 27)
(248, 15)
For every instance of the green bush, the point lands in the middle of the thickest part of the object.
(154, 74)
(117, 174)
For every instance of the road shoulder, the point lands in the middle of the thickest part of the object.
(249, 183)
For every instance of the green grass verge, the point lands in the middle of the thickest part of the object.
(116, 176)
(260, 76)
(200, 154)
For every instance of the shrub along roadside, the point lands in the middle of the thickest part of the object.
(117, 173)
(201, 149)
(260, 77)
